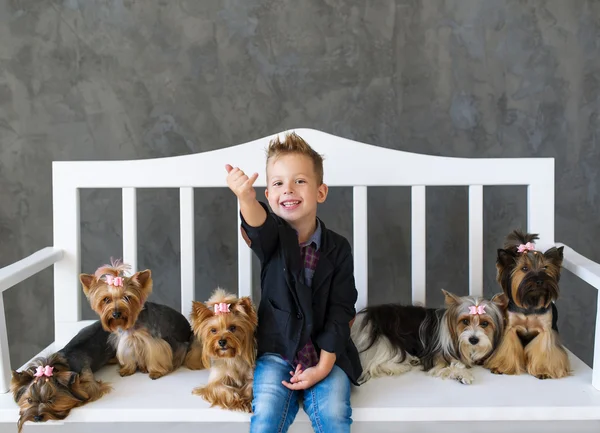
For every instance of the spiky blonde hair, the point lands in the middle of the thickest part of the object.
(294, 144)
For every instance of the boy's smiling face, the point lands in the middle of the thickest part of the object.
(292, 190)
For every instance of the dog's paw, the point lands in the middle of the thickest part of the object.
(465, 379)
(199, 391)
(455, 371)
(364, 378)
(154, 375)
(123, 372)
(247, 407)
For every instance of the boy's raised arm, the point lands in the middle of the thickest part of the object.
(243, 187)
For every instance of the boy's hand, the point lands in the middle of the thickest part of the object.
(305, 379)
(241, 184)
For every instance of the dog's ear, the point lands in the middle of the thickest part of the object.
(86, 282)
(555, 255)
(501, 300)
(200, 312)
(66, 378)
(246, 307)
(450, 298)
(144, 280)
(18, 383)
(505, 258)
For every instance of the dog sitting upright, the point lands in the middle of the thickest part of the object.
(148, 337)
(529, 279)
(49, 387)
(226, 327)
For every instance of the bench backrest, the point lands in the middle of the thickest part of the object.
(347, 163)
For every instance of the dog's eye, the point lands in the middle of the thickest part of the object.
(213, 330)
(524, 268)
(546, 267)
(29, 400)
(465, 321)
(484, 324)
(232, 328)
(106, 300)
(50, 401)
(126, 298)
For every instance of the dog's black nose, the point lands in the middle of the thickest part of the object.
(539, 282)
(222, 343)
(473, 340)
(37, 418)
(116, 314)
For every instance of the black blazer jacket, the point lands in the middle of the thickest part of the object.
(289, 312)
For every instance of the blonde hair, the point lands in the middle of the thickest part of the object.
(294, 144)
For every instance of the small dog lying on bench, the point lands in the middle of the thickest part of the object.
(392, 338)
(49, 387)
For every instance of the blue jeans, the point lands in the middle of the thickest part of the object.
(274, 406)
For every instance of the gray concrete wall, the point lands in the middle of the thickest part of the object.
(136, 79)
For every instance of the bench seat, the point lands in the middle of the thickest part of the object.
(412, 397)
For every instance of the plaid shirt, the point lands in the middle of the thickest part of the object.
(308, 356)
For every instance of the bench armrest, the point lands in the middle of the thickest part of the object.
(588, 271)
(17, 272)
(584, 268)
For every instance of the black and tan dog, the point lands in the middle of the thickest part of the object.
(49, 387)
(148, 337)
(529, 280)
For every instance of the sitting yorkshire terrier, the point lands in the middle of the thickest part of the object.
(148, 337)
(392, 338)
(226, 325)
(529, 279)
(49, 387)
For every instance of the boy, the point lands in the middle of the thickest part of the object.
(307, 294)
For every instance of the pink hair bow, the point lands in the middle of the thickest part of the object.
(222, 308)
(526, 247)
(114, 281)
(44, 371)
(477, 309)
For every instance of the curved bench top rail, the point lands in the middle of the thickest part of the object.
(347, 163)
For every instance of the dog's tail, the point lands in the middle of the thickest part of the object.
(518, 237)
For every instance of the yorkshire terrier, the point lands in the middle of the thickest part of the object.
(49, 387)
(148, 337)
(446, 342)
(226, 327)
(529, 279)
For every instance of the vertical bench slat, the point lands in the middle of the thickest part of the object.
(244, 262)
(4, 354)
(66, 234)
(476, 240)
(540, 210)
(187, 247)
(130, 245)
(361, 243)
(418, 242)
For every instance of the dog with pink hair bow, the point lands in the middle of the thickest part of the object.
(225, 325)
(529, 279)
(446, 342)
(49, 387)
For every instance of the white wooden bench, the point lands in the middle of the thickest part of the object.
(413, 401)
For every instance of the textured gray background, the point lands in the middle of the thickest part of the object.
(138, 79)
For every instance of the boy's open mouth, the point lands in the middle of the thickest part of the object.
(290, 204)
